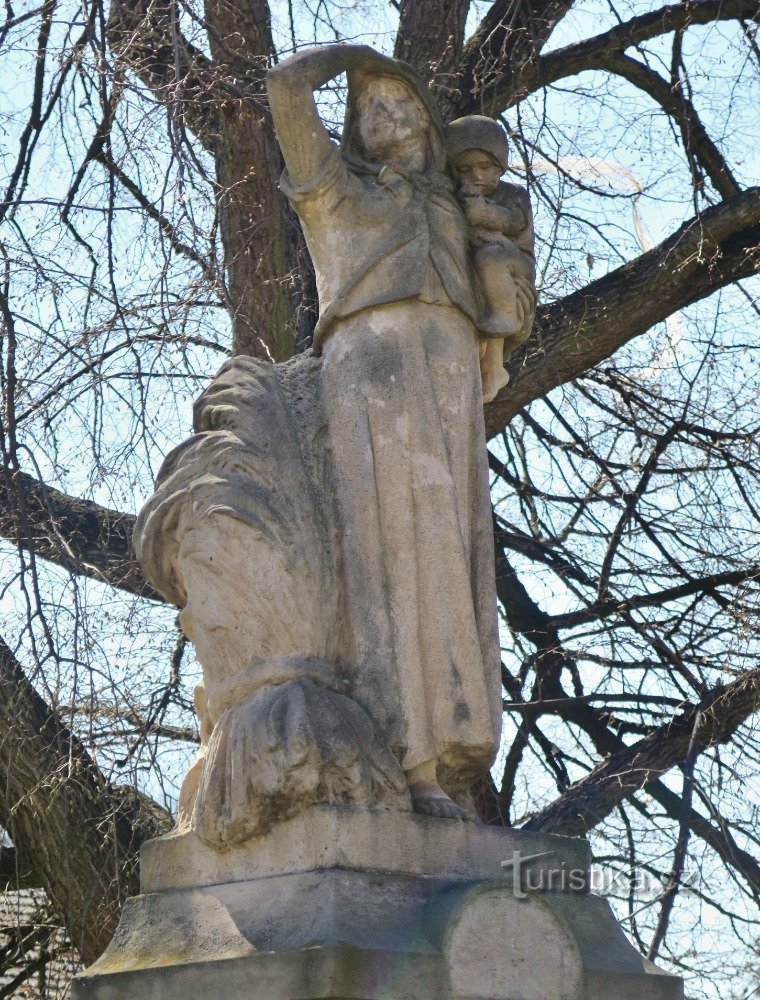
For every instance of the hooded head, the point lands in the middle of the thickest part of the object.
(393, 82)
(476, 150)
(476, 132)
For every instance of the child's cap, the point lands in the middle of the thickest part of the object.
(476, 132)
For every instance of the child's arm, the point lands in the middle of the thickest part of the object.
(509, 220)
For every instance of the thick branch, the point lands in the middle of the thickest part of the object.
(572, 335)
(713, 721)
(592, 53)
(255, 223)
(508, 39)
(79, 535)
(145, 34)
(718, 837)
(430, 37)
(79, 834)
(699, 146)
(600, 610)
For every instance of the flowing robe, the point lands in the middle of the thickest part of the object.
(401, 390)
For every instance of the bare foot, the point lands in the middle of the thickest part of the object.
(428, 798)
(440, 806)
(493, 384)
(515, 341)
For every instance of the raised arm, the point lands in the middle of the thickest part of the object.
(303, 138)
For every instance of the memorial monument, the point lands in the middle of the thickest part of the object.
(327, 534)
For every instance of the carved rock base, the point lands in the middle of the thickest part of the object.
(341, 904)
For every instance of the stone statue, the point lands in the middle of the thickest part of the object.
(400, 386)
(327, 531)
(235, 535)
(501, 234)
(327, 534)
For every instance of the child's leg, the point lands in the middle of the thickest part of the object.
(525, 290)
(493, 270)
(492, 373)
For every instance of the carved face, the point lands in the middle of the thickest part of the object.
(392, 120)
(477, 173)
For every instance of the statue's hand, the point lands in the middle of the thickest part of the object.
(475, 211)
(341, 56)
(313, 67)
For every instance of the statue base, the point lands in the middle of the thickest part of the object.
(342, 904)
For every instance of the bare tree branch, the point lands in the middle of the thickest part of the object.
(590, 800)
(698, 144)
(704, 585)
(718, 837)
(570, 336)
(80, 535)
(87, 859)
(592, 53)
(167, 229)
(508, 38)
(145, 34)
(540, 629)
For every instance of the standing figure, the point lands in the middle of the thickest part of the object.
(400, 387)
(502, 239)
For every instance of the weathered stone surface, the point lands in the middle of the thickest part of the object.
(550, 946)
(322, 922)
(502, 240)
(400, 388)
(236, 534)
(409, 470)
(286, 747)
(327, 529)
(325, 838)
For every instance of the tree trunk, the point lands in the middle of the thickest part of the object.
(430, 37)
(84, 853)
(248, 165)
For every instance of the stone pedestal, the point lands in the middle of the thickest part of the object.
(341, 904)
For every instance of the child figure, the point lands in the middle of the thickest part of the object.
(502, 240)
